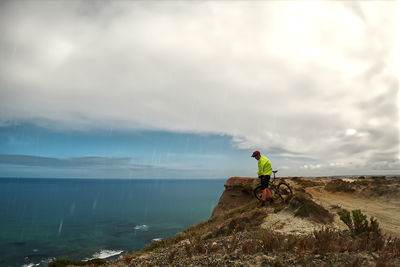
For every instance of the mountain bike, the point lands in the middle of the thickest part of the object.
(281, 190)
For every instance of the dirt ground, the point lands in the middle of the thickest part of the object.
(386, 211)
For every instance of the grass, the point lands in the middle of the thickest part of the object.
(67, 262)
(235, 220)
(238, 232)
(338, 185)
(303, 206)
(306, 182)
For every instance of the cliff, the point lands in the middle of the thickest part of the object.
(238, 191)
(327, 222)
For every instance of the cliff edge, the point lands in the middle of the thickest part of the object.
(238, 191)
(327, 222)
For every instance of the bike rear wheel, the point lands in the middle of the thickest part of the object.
(285, 191)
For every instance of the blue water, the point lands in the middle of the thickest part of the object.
(43, 219)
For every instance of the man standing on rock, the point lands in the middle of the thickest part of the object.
(264, 173)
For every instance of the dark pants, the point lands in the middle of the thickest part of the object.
(264, 180)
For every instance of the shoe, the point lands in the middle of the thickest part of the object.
(261, 204)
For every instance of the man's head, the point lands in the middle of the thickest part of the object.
(256, 155)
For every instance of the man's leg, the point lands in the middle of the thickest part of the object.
(266, 194)
(261, 203)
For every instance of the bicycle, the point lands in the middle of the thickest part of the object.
(283, 190)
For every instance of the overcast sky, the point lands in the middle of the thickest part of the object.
(313, 85)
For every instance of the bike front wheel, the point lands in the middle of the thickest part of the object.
(284, 191)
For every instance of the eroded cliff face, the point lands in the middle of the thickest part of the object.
(238, 191)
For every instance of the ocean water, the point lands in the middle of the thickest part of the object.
(46, 219)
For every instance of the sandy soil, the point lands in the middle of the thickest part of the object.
(387, 212)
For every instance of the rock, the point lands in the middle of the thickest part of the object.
(238, 191)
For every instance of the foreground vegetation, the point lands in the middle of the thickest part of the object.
(238, 233)
(67, 262)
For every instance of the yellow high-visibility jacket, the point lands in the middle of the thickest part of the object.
(264, 166)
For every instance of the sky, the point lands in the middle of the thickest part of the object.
(188, 89)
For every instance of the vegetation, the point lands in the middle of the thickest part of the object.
(306, 182)
(358, 224)
(238, 230)
(67, 262)
(304, 206)
(339, 185)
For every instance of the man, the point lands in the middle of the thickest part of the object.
(264, 173)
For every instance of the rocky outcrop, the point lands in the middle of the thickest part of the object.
(238, 191)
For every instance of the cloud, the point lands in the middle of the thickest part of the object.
(289, 75)
(27, 160)
(82, 167)
(101, 167)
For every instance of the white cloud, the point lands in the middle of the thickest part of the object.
(278, 74)
(351, 131)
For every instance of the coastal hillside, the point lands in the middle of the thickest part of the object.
(327, 222)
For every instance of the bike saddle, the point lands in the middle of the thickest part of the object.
(275, 171)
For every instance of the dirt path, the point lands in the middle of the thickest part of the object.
(386, 212)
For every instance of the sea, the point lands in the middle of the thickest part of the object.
(80, 219)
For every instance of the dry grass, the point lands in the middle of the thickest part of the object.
(304, 206)
(338, 185)
(303, 182)
(188, 249)
(171, 256)
(238, 231)
(236, 220)
(251, 247)
(377, 187)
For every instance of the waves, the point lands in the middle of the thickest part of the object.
(142, 227)
(103, 254)
(43, 262)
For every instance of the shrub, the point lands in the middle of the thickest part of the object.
(360, 222)
(270, 241)
(232, 245)
(251, 247)
(128, 258)
(67, 262)
(304, 206)
(338, 185)
(171, 256)
(368, 235)
(307, 183)
(213, 247)
(61, 263)
(165, 242)
(324, 241)
(199, 247)
(392, 247)
(188, 249)
(346, 218)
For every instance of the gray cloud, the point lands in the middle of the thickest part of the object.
(27, 160)
(99, 167)
(290, 75)
(81, 167)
